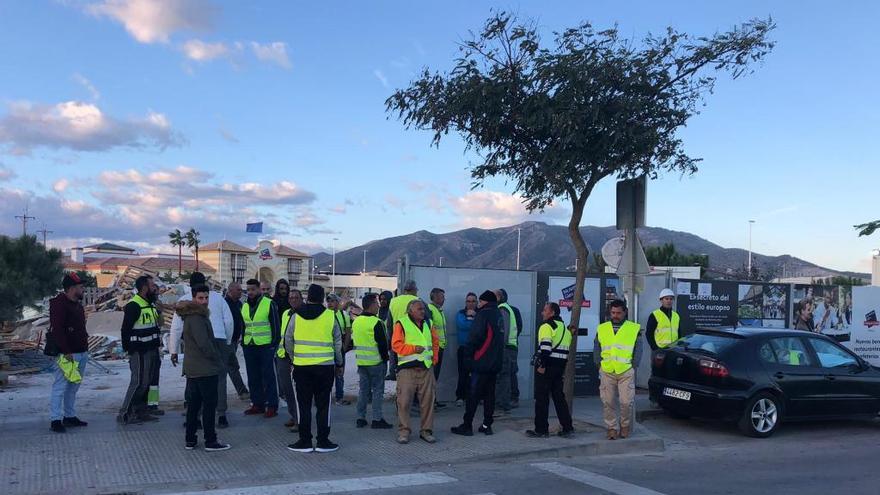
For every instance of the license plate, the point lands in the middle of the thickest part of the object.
(676, 393)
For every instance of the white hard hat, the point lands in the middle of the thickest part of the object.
(666, 293)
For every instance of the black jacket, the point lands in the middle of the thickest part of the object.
(485, 347)
(238, 320)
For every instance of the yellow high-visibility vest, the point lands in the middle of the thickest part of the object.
(667, 329)
(617, 348)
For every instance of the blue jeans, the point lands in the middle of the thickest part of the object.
(260, 363)
(64, 392)
(372, 382)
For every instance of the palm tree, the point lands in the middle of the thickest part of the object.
(192, 242)
(177, 239)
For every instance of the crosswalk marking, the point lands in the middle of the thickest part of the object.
(595, 480)
(338, 486)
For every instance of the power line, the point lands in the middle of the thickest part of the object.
(24, 220)
(45, 234)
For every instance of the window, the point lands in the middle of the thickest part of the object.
(294, 270)
(239, 266)
(791, 351)
(765, 352)
(831, 356)
(709, 342)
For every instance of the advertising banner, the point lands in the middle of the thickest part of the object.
(865, 324)
(702, 304)
(561, 291)
(823, 309)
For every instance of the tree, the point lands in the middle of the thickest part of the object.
(557, 120)
(666, 255)
(87, 278)
(29, 271)
(192, 242)
(867, 228)
(177, 240)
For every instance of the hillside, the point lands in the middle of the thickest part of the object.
(547, 247)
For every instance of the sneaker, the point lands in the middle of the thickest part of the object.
(301, 446)
(611, 434)
(244, 395)
(537, 434)
(428, 436)
(381, 425)
(216, 446)
(254, 410)
(360, 423)
(463, 430)
(57, 426)
(486, 430)
(566, 433)
(624, 431)
(271, 412)
(222, 422)
(290, 423)
(74, 421)
(190, 445)
(343, 402)
(402, 439)
(326, 446)
(459, 403)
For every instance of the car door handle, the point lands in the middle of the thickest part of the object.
(830, 377)
(779, 374)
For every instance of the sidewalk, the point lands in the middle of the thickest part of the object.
(105, 457)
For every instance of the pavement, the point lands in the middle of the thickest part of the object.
(108, 458)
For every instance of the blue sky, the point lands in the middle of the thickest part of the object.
(121, 120)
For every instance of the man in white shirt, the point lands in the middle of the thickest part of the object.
(222, 325)
(825, 315)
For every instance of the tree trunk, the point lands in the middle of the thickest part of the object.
(197, 258)
(580, 247)
(179, 260)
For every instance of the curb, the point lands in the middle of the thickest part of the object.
(652, 413)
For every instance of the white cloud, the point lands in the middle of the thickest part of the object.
(275, 52)
(308, 219)
(492, 209)
(381, 77)
(60, 185)
(6, 173)
(85, 83)
(81, 126)
(201, 51)
(152, 21)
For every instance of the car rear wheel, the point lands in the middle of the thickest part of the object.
(761, 415)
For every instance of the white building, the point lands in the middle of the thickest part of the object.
(268, 262)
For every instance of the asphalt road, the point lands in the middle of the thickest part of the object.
(701, 457)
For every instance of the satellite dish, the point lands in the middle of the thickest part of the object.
(612, 252)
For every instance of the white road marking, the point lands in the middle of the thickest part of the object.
(338, 486)
(595, 480)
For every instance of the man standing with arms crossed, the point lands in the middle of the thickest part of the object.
(615, 351)
(662, 328)
(140, 339)
(261, 334)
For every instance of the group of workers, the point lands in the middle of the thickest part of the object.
(294, 348)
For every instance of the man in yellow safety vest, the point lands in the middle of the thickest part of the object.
(417, 346)
(662, 329)
(371, 352)
(262, 331)
(616, 351)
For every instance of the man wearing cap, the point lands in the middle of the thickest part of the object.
(67, 324)
(662, 329)
(314, 340)
(343, 320)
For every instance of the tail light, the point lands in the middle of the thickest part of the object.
(659, 357)
(709, 367)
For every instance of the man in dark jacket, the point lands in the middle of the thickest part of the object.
(140, 339)
(282, 295)
(202, 365)
(483, 354)
(233, 299)
(67, 322)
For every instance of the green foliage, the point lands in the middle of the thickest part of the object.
(177, 239)
(88, 279)
(840, 280)
(28, 273)
(192, 241)
(666, 255)
(867, 228)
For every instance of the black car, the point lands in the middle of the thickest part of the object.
(759, 377)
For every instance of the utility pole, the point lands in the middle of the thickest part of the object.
(45, 234)
(24, 220)
(751, 223)
(518, 238)
(364, 271)
(333, 267)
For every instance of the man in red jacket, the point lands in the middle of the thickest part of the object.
(67, 322)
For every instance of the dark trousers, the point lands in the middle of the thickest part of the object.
(260, 363)
(233, 368)
(514, 381)
(153, 394)
(340, 382)
(439, 365)
(313, 385)
(482, 388)
(201, 394)
(547, 385)
(142, 366)
(464, 377)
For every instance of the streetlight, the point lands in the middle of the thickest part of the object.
(333, 267)
(751, 223)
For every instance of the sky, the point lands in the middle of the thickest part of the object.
(121, 120)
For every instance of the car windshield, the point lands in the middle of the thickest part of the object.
(708, 342)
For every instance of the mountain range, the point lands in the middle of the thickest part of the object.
(548, 247)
